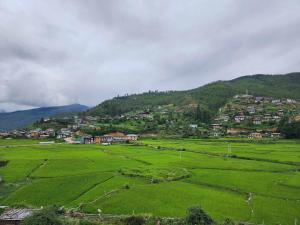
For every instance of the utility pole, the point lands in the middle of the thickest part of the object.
(229, 150)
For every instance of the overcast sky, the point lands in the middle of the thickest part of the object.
(85, 51)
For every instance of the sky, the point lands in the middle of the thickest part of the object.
(86, 51)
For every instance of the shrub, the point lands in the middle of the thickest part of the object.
(85, 222)
(134, 220)
(196, 216)
(228, 221)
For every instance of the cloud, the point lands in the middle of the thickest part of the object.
(61, 52)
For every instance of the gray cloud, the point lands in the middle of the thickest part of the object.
(61, 52)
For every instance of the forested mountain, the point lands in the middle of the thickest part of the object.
(20, 119)
(209, 97)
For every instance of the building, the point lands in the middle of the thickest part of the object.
(257, 121)
(97, 139)
(15, 216)
(237, 131)
(132, 137)
(194, 126)
(255, 135)
(275, 135)
(251, 109)
(280, 112)
(88, 139)
(239, 119)
(216, 126)
(106, 138)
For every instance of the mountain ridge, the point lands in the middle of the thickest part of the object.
(21, 118)
(210, 96)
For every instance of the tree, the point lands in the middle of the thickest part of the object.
(134, 220)
(290, 129)
(43, 217)
(196, 216)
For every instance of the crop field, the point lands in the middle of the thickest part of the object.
(250, 181)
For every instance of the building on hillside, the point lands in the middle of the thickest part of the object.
(267, 118)
(276, 101)
(257, 120)
(237, 131)
(132, 137)
(280, 112)
(239, 119)
(276, 118)
(275, 135)
(193, 126)
(216, 126)
(251, 109)
(15, 216)
(64, 133)
(255, 135)
(259, 99)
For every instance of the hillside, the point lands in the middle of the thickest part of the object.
(209, 97)
(20, 119)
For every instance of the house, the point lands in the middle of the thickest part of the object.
(88, 139)
(236, 131)
(280, 112)
(194, 126)
(114, 137)
(259, 99)
(275, 135)
(257, 120)
(276, 101)
(225, 118)
(132, 137)
(216, 126)
(97, 139)
(240, 118)
(251, 109)
(106, 139)
(35, 133)
(267, 118)
(64, 133)
(255, 135)
(276, 118)
(15, 216)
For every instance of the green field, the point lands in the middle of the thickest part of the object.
(256, 182)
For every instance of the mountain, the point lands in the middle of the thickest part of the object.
(20, 119)
(209, 97)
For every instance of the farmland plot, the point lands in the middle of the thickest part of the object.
(256, 182)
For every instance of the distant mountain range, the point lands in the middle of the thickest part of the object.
(209, 97)
(21, 119)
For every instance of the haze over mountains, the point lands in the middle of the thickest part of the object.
(20, 119)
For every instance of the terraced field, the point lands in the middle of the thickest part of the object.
(257, 182)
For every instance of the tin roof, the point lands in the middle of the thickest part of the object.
(16, 214)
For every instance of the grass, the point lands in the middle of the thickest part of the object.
(163, 181)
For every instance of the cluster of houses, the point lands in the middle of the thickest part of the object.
(259, 116)
(70, 137)
(115, 137)
(35, 133)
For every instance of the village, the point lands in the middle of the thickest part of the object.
(254, 116)
(245, 115)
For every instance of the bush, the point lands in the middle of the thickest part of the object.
(43, 217)
(228, 221)
(134, 220)
(85, 222)
(196, 216)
